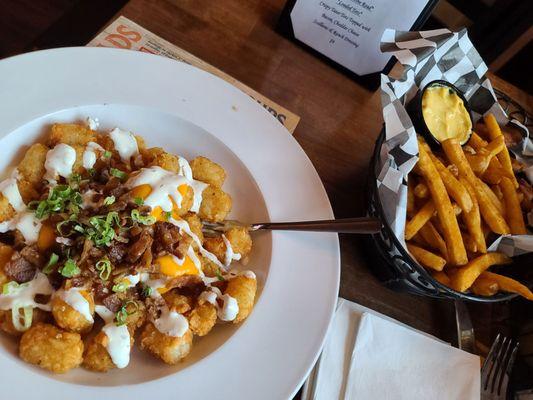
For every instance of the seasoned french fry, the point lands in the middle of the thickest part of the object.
(494, 171)
(513, 213)
(456, 190)
(441, 277)
(507, 284)
(419, 240)
(452, 234)
(421, 191)
(484, 286)
(494, 131)
(420, 218)
(434, 239)
(498, 192)
(464, 277)
(469, 242)
(410, 198)
(492, 197)
(472, 220)
(488, 210)
(426, 258)
(480, 161)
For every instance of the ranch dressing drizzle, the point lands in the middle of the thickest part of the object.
(229, 309)
(23, 295)
(184, 168)
(165, 186)
(89, 155)
(92, 123)
(77, 301)
(118, 344)
(25, 221)
(197, 186)
(184, 226)
(10, 190)
(59, 162)
(229, 255)
(125, 143)
(171, 323)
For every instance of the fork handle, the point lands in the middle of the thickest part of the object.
(343, 225)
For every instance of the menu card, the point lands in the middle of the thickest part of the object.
(348, 32)
(125, 34)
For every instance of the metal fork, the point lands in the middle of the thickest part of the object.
(497, 369)
(343, 225)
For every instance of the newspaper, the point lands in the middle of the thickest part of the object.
(125, 34)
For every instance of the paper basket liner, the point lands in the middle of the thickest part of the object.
(427, 56)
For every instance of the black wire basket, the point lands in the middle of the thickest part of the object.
(397, 269)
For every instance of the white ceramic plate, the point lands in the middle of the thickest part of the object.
(189, 112)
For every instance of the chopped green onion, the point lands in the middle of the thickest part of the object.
(69, 269)
(107, 154)
(219, 276)
(117, 173)
(139, 201)
(109, 200)
(142, 219)
(101, 231)
(120, 287)
(74, 179)
(91, 171)
(168, 214)
(60, 198)
(147, 291)
(122, 314)
(49, 267)
(104, 267)
(10, 288)
(27, 318)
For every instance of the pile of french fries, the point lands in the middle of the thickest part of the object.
(457, 196)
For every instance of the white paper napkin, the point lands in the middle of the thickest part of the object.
(370, 356)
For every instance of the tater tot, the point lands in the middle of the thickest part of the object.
(177, 302)
(71, 134)
(31, 168)
(209, 268)
(136, 315)
(186, 202)
(78, 168)
(216, 246)
(205, 170)
(243, 290)
(70, 319)
(168, 348)
(5, 255)
(96, 357)
(202, 318)
(216, 204)
(195, 224)
(6, 321)
(6, 211)
(166, 161)
(240, 240)
(27, 191)
(51, 348)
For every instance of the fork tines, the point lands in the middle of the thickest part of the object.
(497, 367)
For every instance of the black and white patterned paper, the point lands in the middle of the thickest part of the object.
(427, 56)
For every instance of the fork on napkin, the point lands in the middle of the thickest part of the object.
(371, 356)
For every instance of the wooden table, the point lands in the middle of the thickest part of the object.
(340, 121)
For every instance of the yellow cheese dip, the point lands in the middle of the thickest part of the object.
(445, 114)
